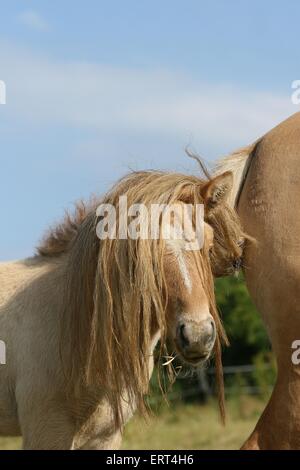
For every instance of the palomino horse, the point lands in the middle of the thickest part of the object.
(81, 319)
(266, 192)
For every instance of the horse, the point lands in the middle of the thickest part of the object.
(265, 192)
(82, 317)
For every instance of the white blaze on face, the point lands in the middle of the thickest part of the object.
(177, 248)
(176, 243)
(184, 270)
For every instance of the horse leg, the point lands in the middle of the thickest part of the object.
(279, 425)
(46, 428)
(111, 442)
(275, 296)
(51, 428)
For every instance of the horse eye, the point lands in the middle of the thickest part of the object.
(237, 263)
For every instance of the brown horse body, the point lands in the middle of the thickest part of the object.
(267, 191)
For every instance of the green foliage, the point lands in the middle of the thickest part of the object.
(265, 372)
(244, 327)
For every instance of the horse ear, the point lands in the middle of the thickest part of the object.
(217, 190)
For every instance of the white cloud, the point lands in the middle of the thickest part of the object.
(110, 99)
(33, 20)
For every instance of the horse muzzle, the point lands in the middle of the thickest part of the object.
(195, 340)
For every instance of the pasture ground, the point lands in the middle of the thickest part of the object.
(187, 426)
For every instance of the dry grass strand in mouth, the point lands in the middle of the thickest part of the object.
(169, 360)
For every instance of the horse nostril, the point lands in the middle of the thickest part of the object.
(183, 338)
(212, 333)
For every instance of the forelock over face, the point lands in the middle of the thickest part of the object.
(176, 265)
(179, 259)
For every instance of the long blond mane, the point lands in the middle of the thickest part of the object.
(115, 295)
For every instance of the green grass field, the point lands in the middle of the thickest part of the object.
(187, 426)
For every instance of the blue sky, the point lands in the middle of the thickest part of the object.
(96, 87)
